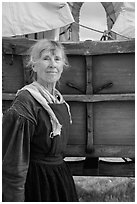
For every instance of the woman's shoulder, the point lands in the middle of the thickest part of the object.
(25, 105)
(24, 96)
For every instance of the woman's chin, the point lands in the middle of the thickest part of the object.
(52, 79)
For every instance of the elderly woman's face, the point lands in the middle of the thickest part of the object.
(50, 66)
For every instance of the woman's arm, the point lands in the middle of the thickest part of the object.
(17, 131)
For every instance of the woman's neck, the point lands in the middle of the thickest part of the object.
(50, 87)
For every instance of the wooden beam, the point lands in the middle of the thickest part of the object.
(8, 96)
(89, 90)
(100, 97)
(72, 48)
(86, 98)
(115, 169)
(101, 151)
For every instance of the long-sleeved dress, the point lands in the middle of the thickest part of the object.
(33, 165)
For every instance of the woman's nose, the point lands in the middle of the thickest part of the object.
(52, 63)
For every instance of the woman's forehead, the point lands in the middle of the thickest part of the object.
(52, 51)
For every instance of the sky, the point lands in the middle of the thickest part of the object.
(93, 15)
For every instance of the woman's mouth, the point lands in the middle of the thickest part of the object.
(51, 72)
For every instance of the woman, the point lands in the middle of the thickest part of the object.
(35, 134)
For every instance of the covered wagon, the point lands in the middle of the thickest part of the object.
(100, 88)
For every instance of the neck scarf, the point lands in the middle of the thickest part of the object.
(44, 97)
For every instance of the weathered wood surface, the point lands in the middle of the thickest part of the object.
(89, 110)
(116, 69)
(99, 86)
(127, 151)
(86, 98)
(115, 169)
(20, 46)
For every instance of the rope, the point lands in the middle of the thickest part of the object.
(120, 35)
(69, 27)
(89, 28)
(104, 33)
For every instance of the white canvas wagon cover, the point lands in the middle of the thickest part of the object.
(20, 18)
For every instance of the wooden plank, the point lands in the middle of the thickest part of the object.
(21, 45)
(115, 169)
(117, 69)
(31, 36)
(73, 79)
(74, 48)
(78, 168)
(13, 76)
(78, 127)
(100, 97)
(86, 98)
(89, 90)
(90, 127)
(127, 151)
(114, 123)
(89, 65)
(8, 96)
(40, 35)
(5, 105)
(100, 47)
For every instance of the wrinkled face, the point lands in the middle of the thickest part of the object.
(50, 66)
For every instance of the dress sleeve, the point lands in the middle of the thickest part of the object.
(17, 131)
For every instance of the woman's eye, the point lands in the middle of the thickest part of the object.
(46, 58)
(57, 58)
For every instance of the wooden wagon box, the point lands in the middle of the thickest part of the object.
(99, 85)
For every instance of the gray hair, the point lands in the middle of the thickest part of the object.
(48, 45)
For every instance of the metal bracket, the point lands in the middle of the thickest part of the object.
(13, 47)
(105, 86)
(72, 85)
